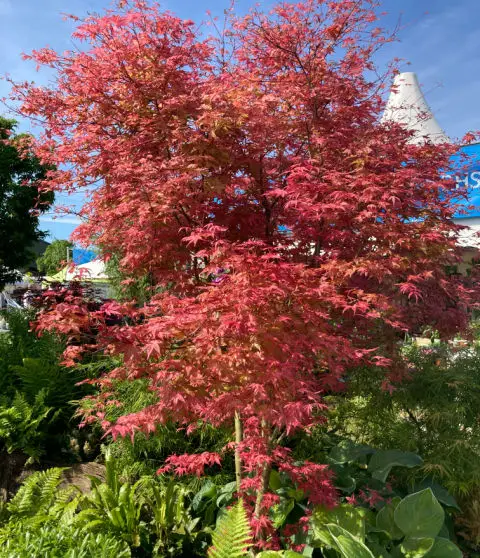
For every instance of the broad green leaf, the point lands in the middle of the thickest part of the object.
(386, 522)
(440, 493)
(378, 550)
(348, 545)
(382, 462)
(269, 554)
(275, 481)
(226, 494)
(348, 517)
(208, 491)
(347, 451)
(420, 515)
(345, 483)
(443, 548)
(280, 512)
(308, 551)
(416, 548)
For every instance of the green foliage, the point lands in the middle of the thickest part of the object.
(113, 507)
(38, 494)
(176, 530)
(55, 541)
(23, 426)
(22, 343)
(58, 384)
(146, 454)
(410, 527)
(148, 517)
(433, 412)
(419, 515)
(54, 257)
(126, 287)
(232, 537)
(276, 553)
(35, 407)
(18, 224)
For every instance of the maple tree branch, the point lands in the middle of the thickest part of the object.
(238, 441)
(265, 479)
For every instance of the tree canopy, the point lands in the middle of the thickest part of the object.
(296, 235)
(54, 257)
(21, 201)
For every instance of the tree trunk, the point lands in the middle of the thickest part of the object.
(238, 440)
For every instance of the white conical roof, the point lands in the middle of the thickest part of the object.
(407, 106)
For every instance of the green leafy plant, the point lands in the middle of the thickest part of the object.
(145, 455)
(22, 426)
(55, 255)
(175, 528)
(37, 392)
(59, 541)
(434, 411)
(232, 537)
(114, 507)
(59, 384)
(37, 495)
(411, 527)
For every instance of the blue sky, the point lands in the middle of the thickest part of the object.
(439, 40)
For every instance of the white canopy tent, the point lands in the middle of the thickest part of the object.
(91, 271)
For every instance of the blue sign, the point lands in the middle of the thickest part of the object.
(81, 256)
(466, 171)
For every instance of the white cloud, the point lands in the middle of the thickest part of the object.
(62, 220)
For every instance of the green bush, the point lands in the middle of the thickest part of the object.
(37, 414)
(434, 411)
(146, 454)
(23, 427)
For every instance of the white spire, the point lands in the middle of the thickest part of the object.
(407, 106)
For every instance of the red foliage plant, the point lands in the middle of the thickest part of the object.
(299, 236)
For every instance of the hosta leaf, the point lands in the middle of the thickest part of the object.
(416, 548)
(443, 548)
(385, 520)
(348, 545)
(420, 515)
(382, 462)
(346, 516)
(347, 451)
(441, 494)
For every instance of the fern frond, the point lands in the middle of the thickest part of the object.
(37, 493)
(232, 537)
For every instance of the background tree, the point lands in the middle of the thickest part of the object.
(21, 201)
(296, 235)
(54, 257)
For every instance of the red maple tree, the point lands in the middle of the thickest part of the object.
(298, 235)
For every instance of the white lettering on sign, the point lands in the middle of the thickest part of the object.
(470, 180)
(475, 179)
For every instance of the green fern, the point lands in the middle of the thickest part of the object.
(232, 537)
(22, 425)
(37, 494)
(58, 383)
